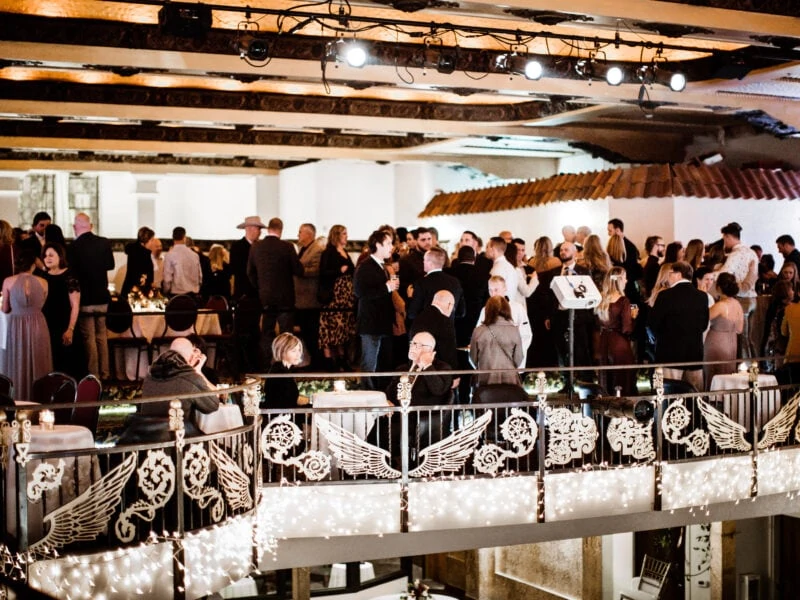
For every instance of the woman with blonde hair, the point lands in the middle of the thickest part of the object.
(662, 283)
(543, 259)
(694, 253)
(219, 283)
(282, 392)
(616, 250)
(615, 317)
(596, 259)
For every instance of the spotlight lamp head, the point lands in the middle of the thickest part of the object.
(650, 74)
(353, 53)
(592, 69)
(519, 64)
(444, 60)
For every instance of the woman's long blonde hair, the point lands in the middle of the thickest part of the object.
(218, 256)
(611, 283)
(616, 249)
(594, 256)
(662, 283)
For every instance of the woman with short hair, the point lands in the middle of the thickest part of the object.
(282, 392)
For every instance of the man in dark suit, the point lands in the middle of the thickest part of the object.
(678, 320)
(787, 249)
(473, 283)
(434, 280)
(483, 265)
(240, 252)
(412, 264)
(90, 258)
(35, 242)
(373, 289)
(558, 322)
(272, 265)
(435, 319)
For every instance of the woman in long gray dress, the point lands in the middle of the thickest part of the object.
(27, 345)
(727, 321)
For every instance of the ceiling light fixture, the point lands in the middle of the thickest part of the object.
(352, 53)
(436, 56)
(252, 48)
(652, 73)
(592, 69)
(515, 63)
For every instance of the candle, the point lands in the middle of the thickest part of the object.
(743, 367)
(339, 385)
(47, 420)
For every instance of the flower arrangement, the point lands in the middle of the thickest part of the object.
(417, 590)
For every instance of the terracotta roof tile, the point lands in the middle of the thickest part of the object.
(646, 181)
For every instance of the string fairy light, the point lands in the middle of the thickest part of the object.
(778, 471)
(700, 483)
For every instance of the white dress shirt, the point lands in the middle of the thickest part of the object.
(742, 263)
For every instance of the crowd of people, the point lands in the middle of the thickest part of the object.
(489, 306)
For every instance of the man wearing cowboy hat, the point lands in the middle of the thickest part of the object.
(240, 252)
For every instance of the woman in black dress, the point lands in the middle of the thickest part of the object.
(61, 311)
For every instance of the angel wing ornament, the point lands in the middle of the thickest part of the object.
(728, 434)
(235, 482)
(452, 452)
(85, 517)
(356, 456)
(780, 426)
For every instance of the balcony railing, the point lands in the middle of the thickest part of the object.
(194, 514)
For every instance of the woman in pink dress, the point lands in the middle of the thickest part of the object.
(27, 346)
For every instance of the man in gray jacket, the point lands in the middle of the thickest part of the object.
(306, 287)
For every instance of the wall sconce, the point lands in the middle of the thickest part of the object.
(650, 74)
(591, 69)
(353, 53)
(519, 64)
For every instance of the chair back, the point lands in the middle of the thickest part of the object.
(678, 386)
(6, 386)
(219, 304)
(247, 317)
(499, 392)
(89, 390)
(56, 388)
(653, 575)
(119, 317)
(181, 313)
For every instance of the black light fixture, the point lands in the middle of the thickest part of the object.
(653, 73)
(252, 48)
(519, 64)
(593, 69)
(437, 56)
(185, 19)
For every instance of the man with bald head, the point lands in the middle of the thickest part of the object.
(435, 319)
(90, 258)
(175, 372)
(426, 390)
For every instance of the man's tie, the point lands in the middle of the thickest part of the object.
(565, 270)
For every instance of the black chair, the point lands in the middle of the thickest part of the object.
(180, 317)
(6, 387)
(56, 388)
(499, 392)
(219, 342)
(89, 390)
(119, 320)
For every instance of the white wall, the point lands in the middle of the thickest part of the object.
(618, 567)
(643, 218)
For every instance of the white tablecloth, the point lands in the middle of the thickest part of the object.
(432, 596)
(338, 577)
(60, 438)
(229, 416)
(357, 423)
(737, 406)
(149, 326)
(243, 588)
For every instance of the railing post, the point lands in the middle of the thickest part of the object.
(251, 399)
(178, 554)
(404, 397)
(755, 401)
(21, 440)
(541, 394)
(658, 384)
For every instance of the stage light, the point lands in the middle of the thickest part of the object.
(650, 74)
(353, 53)
(591, 69)
(439, 58)
(519, 64)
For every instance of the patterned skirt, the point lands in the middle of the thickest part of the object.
(338, 326)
